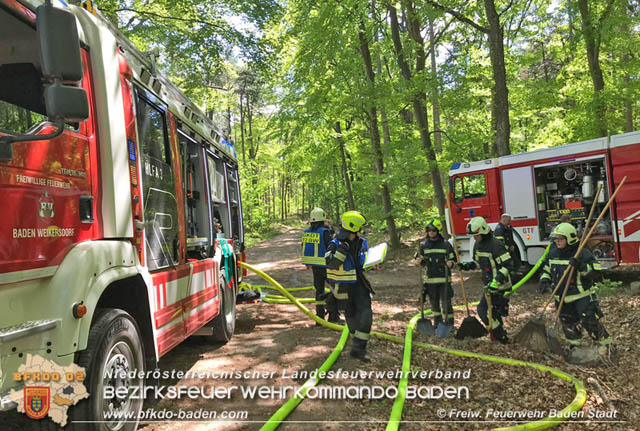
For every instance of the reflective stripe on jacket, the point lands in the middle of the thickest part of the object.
(504, 234)
(346, 271)
(435, 255)
(582, 283)
(313, 247)
(492, 257)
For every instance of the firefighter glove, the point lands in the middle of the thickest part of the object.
(342, 250)
(466, 266)
(579, 266)
(493, 287)
(500, 278)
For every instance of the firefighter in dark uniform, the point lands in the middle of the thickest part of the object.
(315, 240)
(438, 257)
(581, 308)
(495, 262)
(504, 232)
(345, 259)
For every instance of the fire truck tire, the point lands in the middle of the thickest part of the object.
(224, 324)
(114, 345)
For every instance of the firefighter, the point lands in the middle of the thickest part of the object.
(438, 257)
(494, 261)
(504, 232)
(581, 308)
(345, 259)
(315, 240)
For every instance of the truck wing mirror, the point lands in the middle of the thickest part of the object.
(67, 103)
(60, 62)
(59, 44)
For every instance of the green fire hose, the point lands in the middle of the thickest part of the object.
(396, 414)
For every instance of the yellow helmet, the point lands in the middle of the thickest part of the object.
(434, 224)
(353, 221)
(317, 214)
(566, 230)
(478, 225)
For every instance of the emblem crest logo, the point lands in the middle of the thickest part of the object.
(36, 401)
(46, 206)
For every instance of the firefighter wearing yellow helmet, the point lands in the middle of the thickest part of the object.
(581, 308)
(437, 257)
(493, 259)
(315, 240)
(345, 259)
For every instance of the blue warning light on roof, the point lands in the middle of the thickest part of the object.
(230, 145)
(455, 166)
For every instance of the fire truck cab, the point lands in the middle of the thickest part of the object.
(121, 224)
(540, 187)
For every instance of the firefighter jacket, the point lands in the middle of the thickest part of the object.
(587, 272)
(505, 234)
(435, 255)
(345, 260)
(314, 245)
(494, 260)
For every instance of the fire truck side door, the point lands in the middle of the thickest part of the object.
(160, 208)
(470, 198)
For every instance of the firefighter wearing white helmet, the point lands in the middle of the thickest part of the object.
(315, 240)
(581, 308)
(436, 255)
(504, 232)
(493, 259)
(345, 259)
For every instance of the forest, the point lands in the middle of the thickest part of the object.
(365, 105)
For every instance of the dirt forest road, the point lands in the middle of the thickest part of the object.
(274, 342)
(278, 341)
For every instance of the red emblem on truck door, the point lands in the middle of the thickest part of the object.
(46, 207)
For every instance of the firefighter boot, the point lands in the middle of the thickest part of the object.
(437, 320)
(500, 335)
(359, 349)
(335, 318)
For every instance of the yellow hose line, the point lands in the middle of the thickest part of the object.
(291, 298)
(575, 405)
(543, 424)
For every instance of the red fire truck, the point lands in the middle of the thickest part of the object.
(121, 222)
(539, 187)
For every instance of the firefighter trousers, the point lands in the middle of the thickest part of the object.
(583, 313)
(499, 309)
(359, 316)
(440, 298)
(330, 304)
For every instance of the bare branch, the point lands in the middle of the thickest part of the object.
(506, 8)
(167, 17)
(458, 16)
(522, 18)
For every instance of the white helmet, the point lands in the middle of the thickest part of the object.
(317, 214)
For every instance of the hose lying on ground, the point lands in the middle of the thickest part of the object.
(574, 406)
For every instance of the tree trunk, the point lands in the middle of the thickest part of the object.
(244, 160)
(345, 172)
(435, 95)
(419, 101)
(499, 91)
(375, 140)
(592, 42)
(628, 108)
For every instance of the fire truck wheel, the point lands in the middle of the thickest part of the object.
(224, 324)
(114, 351)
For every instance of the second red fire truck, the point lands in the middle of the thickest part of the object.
(539, 187)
